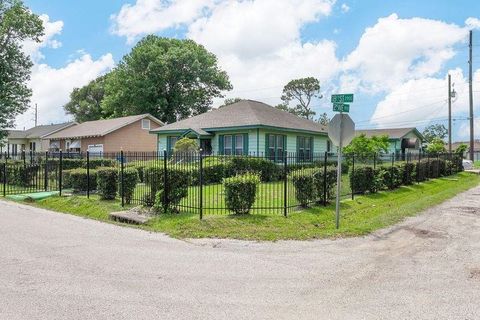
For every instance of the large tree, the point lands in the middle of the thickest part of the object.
(17, 24)
(171, 79)
(435, 132)
(364, 148)
(324, 120)
(85, 102)
(301, 92)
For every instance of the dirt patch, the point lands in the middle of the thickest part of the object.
(423, 233)
(475, 273)
(470, 210)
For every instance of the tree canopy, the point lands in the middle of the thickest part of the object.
(324, 120)
(435, 131)
(169, 78)
(300, 91)
(436, 145)
(364, 148)
(85, 102)
(17, 24)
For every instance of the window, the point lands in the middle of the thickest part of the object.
(74, 146)
(146, 124)
(236, 144)
(33, 146)
(171, 143)
(54, 146)
(275, 146)
(239, 144)
(329, 146)
(227, 150)
(304, 148)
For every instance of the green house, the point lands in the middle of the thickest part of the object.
(248, 128)
(402, 140)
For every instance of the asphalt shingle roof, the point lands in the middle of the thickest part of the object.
(38, 131)
(99, 128)
(392, 133)
(244, 113)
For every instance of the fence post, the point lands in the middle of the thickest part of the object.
(353, 172)
(4, 182)
(391, 170)
(374, 161)
(31, 156)
(165, 185)
(419, 165)
(285, 178)
(46, 172)
(88, 174)
(60, 172)
(427, 175)
(24, 158)
(201, 186)
(122, 183)
(325, 179)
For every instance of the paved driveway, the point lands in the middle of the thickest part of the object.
(55, 266)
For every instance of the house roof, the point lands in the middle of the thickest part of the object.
(392, 133)
(99, 128)
(245, 113)
(38, 131)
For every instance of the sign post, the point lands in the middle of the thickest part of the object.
(341, 131)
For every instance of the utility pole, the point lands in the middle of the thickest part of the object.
(472, 137)
(449, 113)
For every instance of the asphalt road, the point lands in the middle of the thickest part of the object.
(56, 266)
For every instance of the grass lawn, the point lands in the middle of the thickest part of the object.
(361, 216)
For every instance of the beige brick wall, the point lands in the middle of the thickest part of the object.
(131, 138)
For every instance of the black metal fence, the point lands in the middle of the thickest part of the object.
(194, 182)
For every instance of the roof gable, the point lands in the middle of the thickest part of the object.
(241, 114)
(100, 128)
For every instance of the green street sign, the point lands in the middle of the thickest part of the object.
(341, 107)
(342, 98)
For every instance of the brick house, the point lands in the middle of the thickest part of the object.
(109, 135)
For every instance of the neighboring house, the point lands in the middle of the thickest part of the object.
(247, 127)
(402, 140)
(31, 139)
(110, 135)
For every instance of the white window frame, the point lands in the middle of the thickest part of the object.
(146, 121)
(239, 149)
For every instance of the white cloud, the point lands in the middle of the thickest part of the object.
(395, 51)
(52, 29)
(418, 101)
(472, 23)
(51, 87)
(150, 16)
(345, 8)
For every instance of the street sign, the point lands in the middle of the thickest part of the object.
(342, 98)
(341, 107)
(334, 129)
(341, 131)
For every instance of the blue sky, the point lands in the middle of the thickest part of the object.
(400, 67)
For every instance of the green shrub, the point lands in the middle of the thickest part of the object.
(433, 168)
(267, 169)
(66, 179)
(364, 179)
(389, 177)
(214, 172)
(176, 188)
(96, 163)
(240, 192)
(79, 180)
(107, 182)
(304, 184)
(153, 177)
(421, 171)
(331, 181)
(68, 164)
(457, 164)
(130, 180)
(408, 173)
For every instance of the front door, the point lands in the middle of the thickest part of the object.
(206, 146)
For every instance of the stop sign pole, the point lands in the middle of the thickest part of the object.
(341, 131)
(339, 174)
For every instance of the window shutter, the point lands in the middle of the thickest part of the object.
(267, 139)
(245, 144)
(311, 148)
(221, 150)
(284, 146)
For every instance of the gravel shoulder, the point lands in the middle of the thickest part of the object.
(60, 266)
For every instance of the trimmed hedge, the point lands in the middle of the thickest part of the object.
(130, 180)
(78, 178)
(177, 184)
(240, 192)
(364, 179)
(309, 184)
(96, 163)
(21, 175)
(107, 183)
